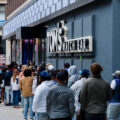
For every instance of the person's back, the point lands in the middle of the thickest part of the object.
(113, 110)
(94, 95)
(59, 99)
(8, 76)
(73, 75)
(97, 95)
(27, 86)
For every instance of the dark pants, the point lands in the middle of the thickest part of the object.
(2, 94)
(68, 118)
(16, 95)
(95, 116)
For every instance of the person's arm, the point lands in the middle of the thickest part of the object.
(20, 84)
(11, 81)
(37, 98)
(83, 96)
(71, 102)
(48, 102)
(110, 90)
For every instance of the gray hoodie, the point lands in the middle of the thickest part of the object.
(73, 75)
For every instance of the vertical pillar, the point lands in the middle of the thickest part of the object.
(21, 50)
(8, 51)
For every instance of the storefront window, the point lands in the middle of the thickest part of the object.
(43, 51)
(2, 15)
(13, 51)
(18, 50)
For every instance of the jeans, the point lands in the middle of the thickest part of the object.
(8, 90)
(2, 94)
(22, 102)
(16, 95)
(41, 116)
(113, 111)
(99, 116)
(28, 101)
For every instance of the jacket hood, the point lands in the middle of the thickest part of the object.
(72, 70)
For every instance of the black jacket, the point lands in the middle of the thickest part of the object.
(8, 76)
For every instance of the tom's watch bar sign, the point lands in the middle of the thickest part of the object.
(58, 42)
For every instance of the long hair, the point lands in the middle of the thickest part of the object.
(15, 74)
(24, 67)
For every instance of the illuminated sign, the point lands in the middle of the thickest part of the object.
(58, 42)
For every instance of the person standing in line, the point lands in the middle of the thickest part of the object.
(72, 71)
(113, 111)
(94, 95)
(8, 88)
(15, 88)
(76, 87)
(39, 102)
(25, 85)
(3, 85)
(60, 100)
(66, 66)
(21, 75)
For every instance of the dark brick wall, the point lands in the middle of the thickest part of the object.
(13, 5)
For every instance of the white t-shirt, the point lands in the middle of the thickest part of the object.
(15, 85)
(113, 84)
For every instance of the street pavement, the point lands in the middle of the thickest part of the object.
(10, 113)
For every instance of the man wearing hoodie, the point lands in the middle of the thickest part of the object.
(8, 87)
(76, 87)
(39, 101)
(72, 71)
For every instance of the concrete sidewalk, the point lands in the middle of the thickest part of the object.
(10, 113)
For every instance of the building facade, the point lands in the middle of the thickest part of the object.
(2, 21)
(76, 31)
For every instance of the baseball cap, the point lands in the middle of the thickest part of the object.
(44, 73)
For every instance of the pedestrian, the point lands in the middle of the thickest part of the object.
(21, 75)
(76, 87)
(8, 88)
(26, 87)
(113, 111)
(15, 88)
(39, 102)
(72, 71)
(94, 95)
(66, 66)
(3, 84)
(60, 100)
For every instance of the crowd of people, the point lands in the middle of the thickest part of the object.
(65, 94)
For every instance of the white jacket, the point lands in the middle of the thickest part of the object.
(41, 92)
(73, 75)
(76, 87)
(15, 85)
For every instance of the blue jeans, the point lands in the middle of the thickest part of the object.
(28, 101)
(16, 95)
(22, 102)
(113, 111)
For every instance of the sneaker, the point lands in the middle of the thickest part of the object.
(7, 104)
(2, 103)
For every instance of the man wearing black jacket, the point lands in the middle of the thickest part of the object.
(8, 88)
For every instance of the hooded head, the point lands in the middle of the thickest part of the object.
(72, 70)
